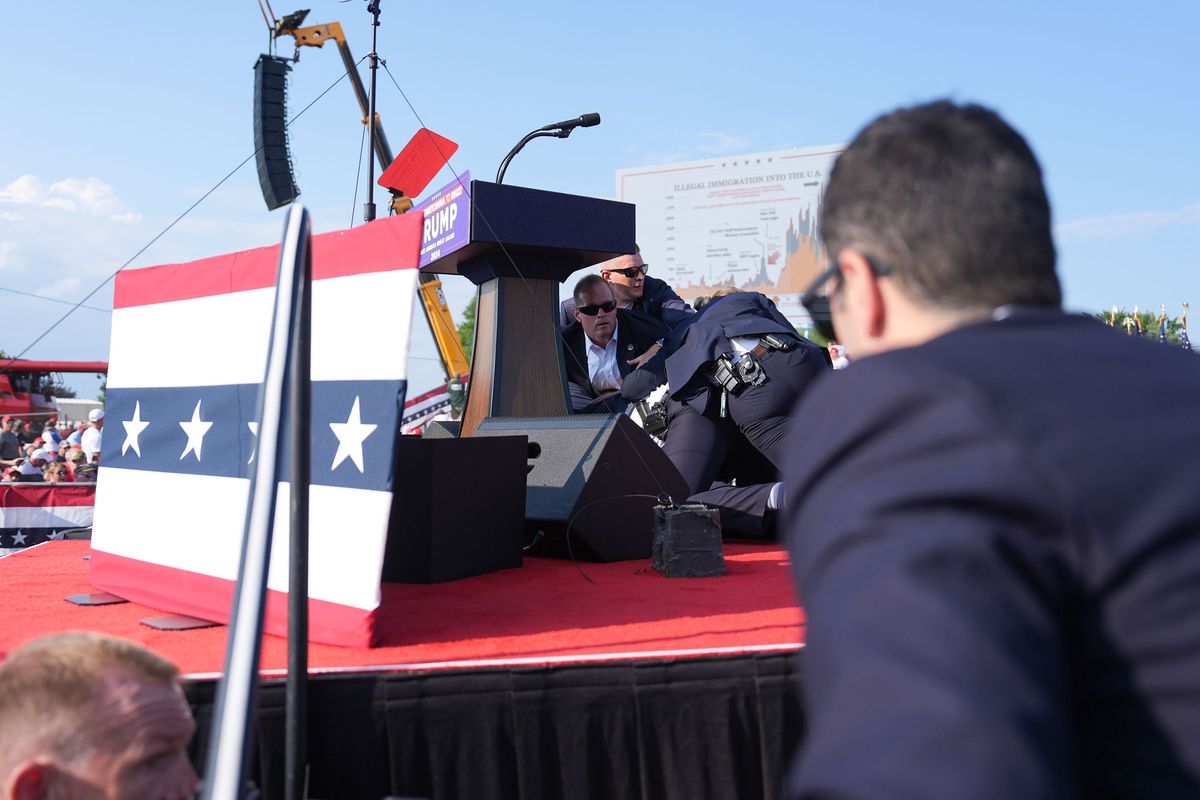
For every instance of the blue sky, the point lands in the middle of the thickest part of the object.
(117, 117)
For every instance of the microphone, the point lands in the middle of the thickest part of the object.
(559, 130)
(584, 121)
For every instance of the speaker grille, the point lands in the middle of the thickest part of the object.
(270, 132)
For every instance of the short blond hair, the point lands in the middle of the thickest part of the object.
(47, 688)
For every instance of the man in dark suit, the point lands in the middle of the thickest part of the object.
(995, 521)
(635, 290)
(734, 370)
(603, 346)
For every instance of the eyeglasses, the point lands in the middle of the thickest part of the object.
(591, 311)
(632, 272)
(816, 302)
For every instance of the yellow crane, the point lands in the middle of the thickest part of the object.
(433, 301)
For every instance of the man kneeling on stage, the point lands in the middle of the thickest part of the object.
(603, 346)
(89, 716)
(734, 371)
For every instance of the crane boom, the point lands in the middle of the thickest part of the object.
(433, 301)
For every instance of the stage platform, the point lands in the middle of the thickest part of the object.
(556, 679)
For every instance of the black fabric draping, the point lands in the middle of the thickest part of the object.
(686, 728)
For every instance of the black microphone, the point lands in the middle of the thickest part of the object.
(559, 130)
(585, 121)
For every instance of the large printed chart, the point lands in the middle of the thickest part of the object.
(748, 221)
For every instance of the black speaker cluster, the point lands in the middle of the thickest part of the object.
(270, 131)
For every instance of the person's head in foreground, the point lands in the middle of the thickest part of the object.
(85, 716)
(934, 217)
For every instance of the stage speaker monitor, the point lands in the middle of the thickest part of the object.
(599, 474)
(458, 508)
(270, 132)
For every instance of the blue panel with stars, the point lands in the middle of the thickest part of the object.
(212, 430)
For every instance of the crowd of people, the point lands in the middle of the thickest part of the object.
(55, 452)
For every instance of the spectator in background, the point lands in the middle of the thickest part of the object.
(10, 443)
(77, 434)
(85, 472)
(50, 431)
(84, 715)
(838, 354)
(89, 441)
(26, 433)
(74, 460)
(56, 473)
(33, 468)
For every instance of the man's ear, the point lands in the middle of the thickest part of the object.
(29, 780)
(860, 289)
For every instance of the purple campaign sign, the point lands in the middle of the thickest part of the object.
(447, 223)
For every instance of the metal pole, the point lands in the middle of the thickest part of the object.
(231, 740)
(299, 409)
(369, 206)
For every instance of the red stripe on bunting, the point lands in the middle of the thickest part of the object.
(45, 495)
(206, 597)
(380, 246)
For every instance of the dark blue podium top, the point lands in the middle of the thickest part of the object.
(515, 230)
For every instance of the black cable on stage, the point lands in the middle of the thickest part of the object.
(164, 231)
(512, 262)
(586, 506)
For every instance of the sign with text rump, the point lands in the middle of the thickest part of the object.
(188, 355)
(446, 219)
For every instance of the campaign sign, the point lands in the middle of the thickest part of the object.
(446, 216)
(188, 355)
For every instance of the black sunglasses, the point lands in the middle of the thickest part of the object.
(632, 272)
(816, 302)
(591, 311)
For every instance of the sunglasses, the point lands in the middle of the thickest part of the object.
(632, 272)
(816, 302)
(591, 311)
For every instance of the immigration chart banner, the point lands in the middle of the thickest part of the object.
(748, 221)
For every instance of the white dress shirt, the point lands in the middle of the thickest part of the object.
(602, 365)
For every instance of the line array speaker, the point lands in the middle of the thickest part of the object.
(270, 131)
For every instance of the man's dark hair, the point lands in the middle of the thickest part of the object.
(586, 284)
(952, 198)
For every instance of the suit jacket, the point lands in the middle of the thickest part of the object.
(704, 337)
(635, 334)
(996, 539)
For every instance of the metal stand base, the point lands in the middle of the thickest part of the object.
(177, 622)
(95, 599)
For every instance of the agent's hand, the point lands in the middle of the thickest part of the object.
(644, 357)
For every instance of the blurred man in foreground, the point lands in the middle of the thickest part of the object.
(997, 549)
(88, 716)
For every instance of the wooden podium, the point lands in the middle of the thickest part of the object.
(517, 245)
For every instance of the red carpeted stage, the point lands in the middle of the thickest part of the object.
(552, 680)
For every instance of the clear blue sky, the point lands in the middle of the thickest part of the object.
(118, 116)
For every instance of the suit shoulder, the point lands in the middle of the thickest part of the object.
(642, 324)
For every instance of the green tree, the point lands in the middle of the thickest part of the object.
(466, 329)
(1149, 321)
